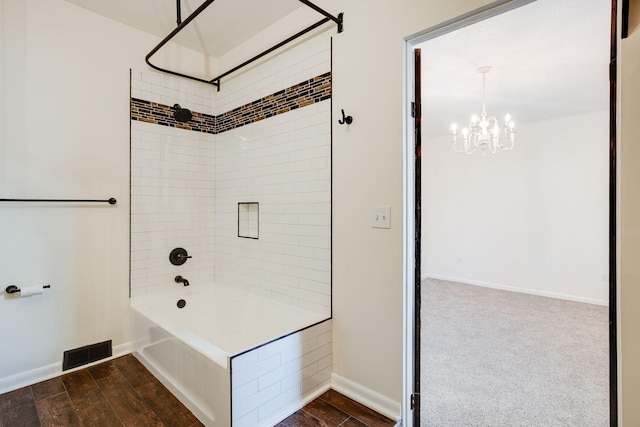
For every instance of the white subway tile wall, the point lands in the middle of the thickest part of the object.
(172, 205)
(294, 65)
(284, 164)
(269, 383)
(170, 90)
(185, 182)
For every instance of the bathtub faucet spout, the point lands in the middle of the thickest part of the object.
(180, 279)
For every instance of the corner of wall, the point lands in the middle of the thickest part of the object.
(372, 399)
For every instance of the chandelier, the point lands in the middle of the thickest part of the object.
(484, 131)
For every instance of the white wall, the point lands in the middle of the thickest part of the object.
(534, 219)
(65, 134)
(367, 171)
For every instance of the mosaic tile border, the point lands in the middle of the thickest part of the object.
(160, 114)
(305, 93)
(300, 95)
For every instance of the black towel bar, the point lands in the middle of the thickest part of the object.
(111, 201)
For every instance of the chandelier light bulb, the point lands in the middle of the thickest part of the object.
(484, 130)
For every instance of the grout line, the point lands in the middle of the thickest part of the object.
(34, 405)
(104, 397)
(134, 390)
(350, 415)
(359, 420)
(65, 387)
(311, 415)
(49, 397)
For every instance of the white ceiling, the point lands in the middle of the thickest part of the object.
(221, 27)
(549, 58)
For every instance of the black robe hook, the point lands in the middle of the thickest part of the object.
(345, 119)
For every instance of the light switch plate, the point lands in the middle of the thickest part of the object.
(381, 217)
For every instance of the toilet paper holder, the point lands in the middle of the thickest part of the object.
(13, 289)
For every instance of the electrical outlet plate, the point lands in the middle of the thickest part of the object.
(381, 217)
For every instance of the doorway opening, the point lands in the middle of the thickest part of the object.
(512, 221)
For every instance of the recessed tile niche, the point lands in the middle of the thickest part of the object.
(248, 213)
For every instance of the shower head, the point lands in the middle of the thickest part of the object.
(181, 114)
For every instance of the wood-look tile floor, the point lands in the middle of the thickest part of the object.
(121, 392)
(333, 409)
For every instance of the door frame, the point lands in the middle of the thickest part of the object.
(411, 356)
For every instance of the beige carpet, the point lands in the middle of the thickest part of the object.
(495, 358)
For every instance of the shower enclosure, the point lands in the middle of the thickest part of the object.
(244, 186)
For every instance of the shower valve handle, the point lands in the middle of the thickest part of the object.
(179, 256)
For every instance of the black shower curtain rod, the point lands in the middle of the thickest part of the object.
(216, 80)
(111, 201)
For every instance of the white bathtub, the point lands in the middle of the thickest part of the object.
(231, 357)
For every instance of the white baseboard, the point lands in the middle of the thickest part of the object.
(557, 295)
(374, 400)
(43, 373)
